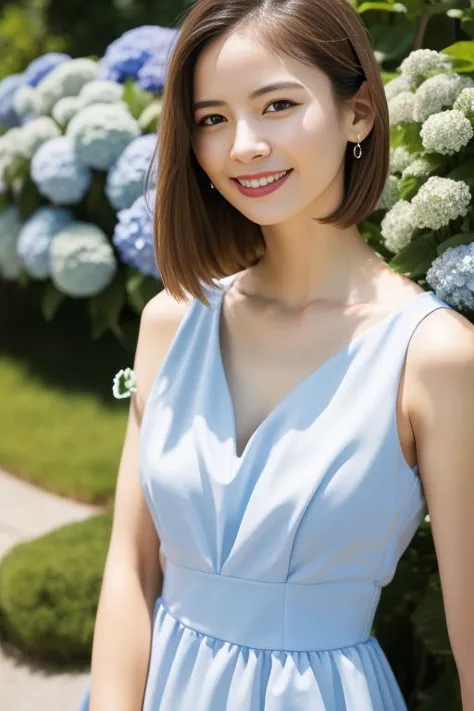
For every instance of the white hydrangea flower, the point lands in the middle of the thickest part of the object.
(398, 226)
(65, 109)
(418, 168)
(439, 201)
(100, 91)
(396, 86)
(35, 133)
(125, 383)
(401, 107)
(390, 193)
(437, 93)
(446, 132)
(465, 100)
(400, 158)
(66, 79)
(452, 276)
(422, 63)
(24, 100)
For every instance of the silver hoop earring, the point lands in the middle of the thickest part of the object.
(212, 187)
(357, 151)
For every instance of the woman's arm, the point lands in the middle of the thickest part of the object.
(132, 576)
(441, 395)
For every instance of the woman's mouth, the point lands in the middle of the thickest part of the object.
(262, 190)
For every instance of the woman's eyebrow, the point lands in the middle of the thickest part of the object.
(257, 92)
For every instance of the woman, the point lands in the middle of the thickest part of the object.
(296, 390)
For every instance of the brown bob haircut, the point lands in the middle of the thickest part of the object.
(199, 235)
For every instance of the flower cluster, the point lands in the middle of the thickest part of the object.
(452, 276)
(82, 260)
(58, 174)
(133, 237)
(36, 236)
(439, 201)
(126, 178)
(8, 88)
(67, 79)
(446, 132)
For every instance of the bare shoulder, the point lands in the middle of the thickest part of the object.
(441, 362)
(159, 323)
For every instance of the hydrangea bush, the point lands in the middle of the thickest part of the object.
(424, 223)
(79, 138)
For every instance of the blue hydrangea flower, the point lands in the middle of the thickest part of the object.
(57, 172)
(10, 226)
(126, 55)
(8, 88)
(36, 236)
(35, 133)
(82, 260)
(42, 66)
(133, 238)
(452, 276)
(125, 180)
(100, 134)
(152, 76)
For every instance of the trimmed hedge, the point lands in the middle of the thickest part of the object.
(49, 591)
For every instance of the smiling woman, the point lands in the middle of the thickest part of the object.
(275, 463)
(293, 106)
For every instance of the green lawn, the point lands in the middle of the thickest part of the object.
(61, 427)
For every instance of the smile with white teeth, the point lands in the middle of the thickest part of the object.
(261, 182)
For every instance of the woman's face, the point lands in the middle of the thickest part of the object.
(298, 128)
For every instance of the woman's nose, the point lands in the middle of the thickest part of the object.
(247, 145)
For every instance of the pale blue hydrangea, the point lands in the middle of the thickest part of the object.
(419, 168)
(35, 133)
(125, 56)
(390, 193)
(396, 86)
(439, 201)
(36, 236)
(452, 276)
(65, 109)
(446, 133)
(8, 88)
(126, 178)
(134, 240)
(10, 226)
(100, 91)
(24, 101)
(58, 174)
(438, 93)
(82, 260)
(152, 76)
(44, 65)
(400, 158)
(65, 80)
(398, 226)
(101, 133)
(422, 63)
(401, 107)
(465, 100)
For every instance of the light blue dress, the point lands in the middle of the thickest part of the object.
(276, 558)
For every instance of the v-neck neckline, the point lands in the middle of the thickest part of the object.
(305, 381)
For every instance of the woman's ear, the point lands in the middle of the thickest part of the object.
(361, 116)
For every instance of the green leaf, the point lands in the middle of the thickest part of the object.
(467, 21)
(408, 187)
(29, 198)
(136, 98)
(429, 620)
(464, 172)
(455, 241)
(393, 42)
(51, 300)
(106, 307)
(408, 136)
(462, 55)
(417, 257)
(384, 6)
(140, 289)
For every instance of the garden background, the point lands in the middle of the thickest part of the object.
(76, 268)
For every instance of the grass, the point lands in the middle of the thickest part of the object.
(61, 427)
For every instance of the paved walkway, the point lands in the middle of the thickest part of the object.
(28, 512)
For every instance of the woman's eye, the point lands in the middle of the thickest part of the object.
(281, 101)
(201, 122)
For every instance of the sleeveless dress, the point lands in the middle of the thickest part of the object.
(276, 558)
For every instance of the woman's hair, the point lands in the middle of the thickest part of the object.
(199, 236)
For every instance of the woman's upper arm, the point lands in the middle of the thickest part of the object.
(442, 415)
(134, 539)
